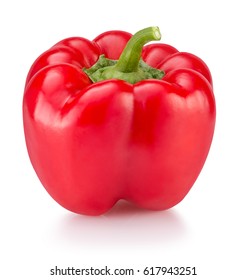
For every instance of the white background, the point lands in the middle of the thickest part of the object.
(207, 229)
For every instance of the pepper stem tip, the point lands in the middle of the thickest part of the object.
(157, 33)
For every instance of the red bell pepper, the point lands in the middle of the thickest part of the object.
(112, 119)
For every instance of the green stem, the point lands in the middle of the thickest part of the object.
(130, 67)
(130, 57)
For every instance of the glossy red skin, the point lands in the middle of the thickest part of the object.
(93, 144)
